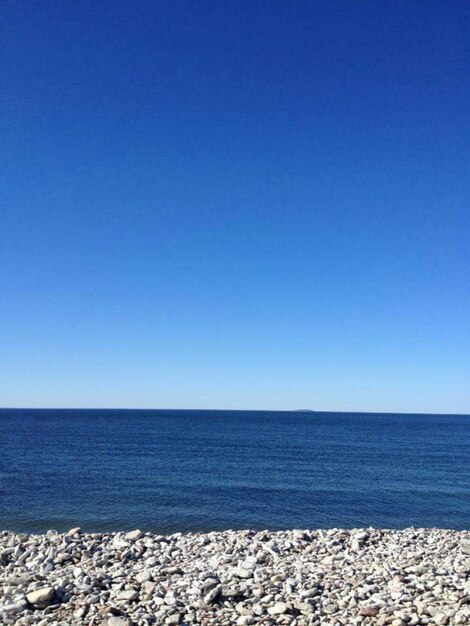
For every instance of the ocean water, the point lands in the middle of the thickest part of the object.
(168, 471)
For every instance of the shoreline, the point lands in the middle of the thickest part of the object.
(330, 577)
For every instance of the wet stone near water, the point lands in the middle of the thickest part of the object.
(292, 578)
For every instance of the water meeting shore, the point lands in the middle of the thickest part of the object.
(294, 578)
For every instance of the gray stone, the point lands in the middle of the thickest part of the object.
(213, 594)
(278, 609)
(368, 611)
(465, 546)
(13, 608)
(42, 597)
(127, 595)
(143, 577)
(242, 572)
(118, 621)
(134, 535)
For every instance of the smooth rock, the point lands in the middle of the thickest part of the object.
(128, 595)
(368, 611)
(41, 597)
(213, 594)
(118, 621)
(134, 535)
(13, 608)
(278, 609)
(143, 577)
(242, 572)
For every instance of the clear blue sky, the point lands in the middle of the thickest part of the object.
(235, 204)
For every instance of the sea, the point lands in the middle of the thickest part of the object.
(178, 471)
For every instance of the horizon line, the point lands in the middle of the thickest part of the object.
(315, 411)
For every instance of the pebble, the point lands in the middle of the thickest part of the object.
(118, 621)
(134, 535)
(127, 596)
(368, 611)
(213, 594)
(335, 577)
(278, 609)
(41, 597)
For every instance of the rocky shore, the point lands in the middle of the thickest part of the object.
(293, 578)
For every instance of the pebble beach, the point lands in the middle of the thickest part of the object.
(293, 578)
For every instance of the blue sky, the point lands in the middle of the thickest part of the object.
(235, 205)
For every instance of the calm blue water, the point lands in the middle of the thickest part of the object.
(199, 470)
